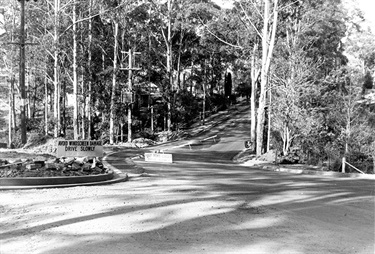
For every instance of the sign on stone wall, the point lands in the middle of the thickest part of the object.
(158, 157)
(80, 148)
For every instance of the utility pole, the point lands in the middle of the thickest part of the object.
(22, 73)
(22, 70)
(129, 92)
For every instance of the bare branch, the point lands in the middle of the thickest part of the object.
(249, 20)
(256, 8)
(90, 17)
(164, 37)
(273, 35)
(217, 37)
(223, 41)
(41, 32)
(284, 7)
(66, 5)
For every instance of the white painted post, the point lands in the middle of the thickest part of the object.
(343, 165)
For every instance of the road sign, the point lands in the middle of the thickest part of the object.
(159, 157)
(80, 148)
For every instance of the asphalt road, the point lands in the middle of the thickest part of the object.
(260, 211)
(200, 203)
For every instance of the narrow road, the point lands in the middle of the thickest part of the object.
(201, 203)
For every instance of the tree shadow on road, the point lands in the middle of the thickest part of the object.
(202, 205)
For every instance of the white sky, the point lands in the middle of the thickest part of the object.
(223, 3)
(368, 8)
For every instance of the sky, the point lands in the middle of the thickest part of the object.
(223, 3)
(368, 8)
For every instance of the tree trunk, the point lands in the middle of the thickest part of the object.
(212, 76)
(56, 96)
(10, 129)
(35, 98)
(152, 119)
(254, 79)
(75, 76)
(28, 95)
(169, 63)
(268, 41)
(83, 107)
(113, 94)
(131, 96)
(192, 73)
(46, 103)
(89, 103)
(14, 118)
(348, 127)
(122, 132)
(56, 107)
(204, 94)
(286, 140)
(179, 61)
(63, 103)
(269, 119)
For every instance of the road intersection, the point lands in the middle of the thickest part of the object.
(201, 203)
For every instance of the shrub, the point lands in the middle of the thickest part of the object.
(147, 134)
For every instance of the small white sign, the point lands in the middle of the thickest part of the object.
(79, 148)
(158, 157)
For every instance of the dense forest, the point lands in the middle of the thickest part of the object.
(120, 69)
